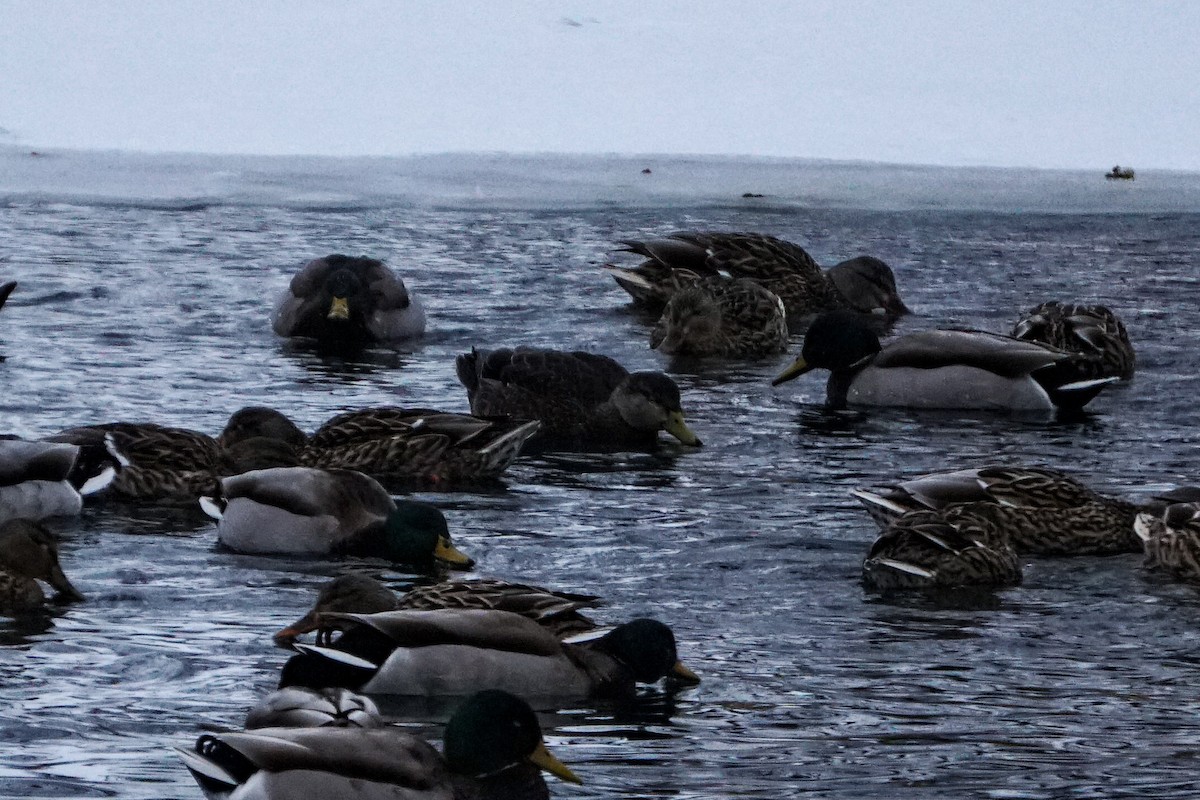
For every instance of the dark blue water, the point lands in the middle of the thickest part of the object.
(1079, 683)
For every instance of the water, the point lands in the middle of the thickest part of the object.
(145, 287)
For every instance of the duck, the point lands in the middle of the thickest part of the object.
(1038, 510)
(1093, 332)
(865, 284)
(558, 612)
(582, 399)
(940, 369)
(718, 317)
(311, 511)
(1171, 538)
(396, 446)
(347, 300)
(49, 479)
(28, 554)
(302, 707)
(454, 651)
(159, 463)
(492, 750)
(926, 550)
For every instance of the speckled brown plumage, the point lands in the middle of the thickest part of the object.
(926, 550)
(1171, 539)
(719, 317)
(1092, 331)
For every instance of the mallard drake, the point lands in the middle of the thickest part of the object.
(863, 284)
(302, 707)
(162, 463)
(493, 751)
(1171, 539)
(939, 369)
(719, 317)
(1092, 331)
(1037, 510)
(558, 612)
(342, 300)
(457, 651)
(303, 510)
(582, 399)
(49, 479)
(926, 550)
(28, 554)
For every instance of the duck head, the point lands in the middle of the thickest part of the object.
(649, 401)
(836, 341)
(493, 731)
(647, 648)
(28, 549)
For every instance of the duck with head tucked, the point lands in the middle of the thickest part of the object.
(864, 284)
(492, 750)
(457, 651)
(307, 511)
(1093, 332)
(718, 317)
(28, 554)
(940, 369)
(581, 399)
(1170, 534)
(929, 550)
(348, 301)
(1035, 509)
(49, 479)
(558, 612)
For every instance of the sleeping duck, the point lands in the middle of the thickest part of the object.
(28, 554)
(1035, 509)
(940, 369)
(927, 550)
(393, 445)
(493, 750)
(558, 612)
(719, 317)
(1092, 331)
(307, 511)
(457, 651)
(343, 300)
(581, 399)
(863, 284)
(49, 479)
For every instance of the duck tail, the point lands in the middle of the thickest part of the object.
(1077, 394)
(469, 368)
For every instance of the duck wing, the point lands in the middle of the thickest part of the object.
(993, 352)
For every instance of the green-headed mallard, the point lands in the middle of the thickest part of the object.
(28, 554)
(49, 479)
(1171, 539)
(302, 707)
(940, 369)
(719, 317)
(558, 612)
(394, 445)
(864, 284)
(1037, 510)
(493, 751)
(309, 511)
(1092, 331)
(582, 399)
(342, 300)
(162, 463)
(926, 550)
(457, 651)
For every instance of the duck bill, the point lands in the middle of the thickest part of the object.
(797, 368)
(682, 673)
(679, 429)
(339, 309)
(65, 590)
(444, 551)
(307, 623)
(544, 759)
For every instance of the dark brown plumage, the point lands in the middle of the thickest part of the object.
(719, 317)
(1092, 331)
